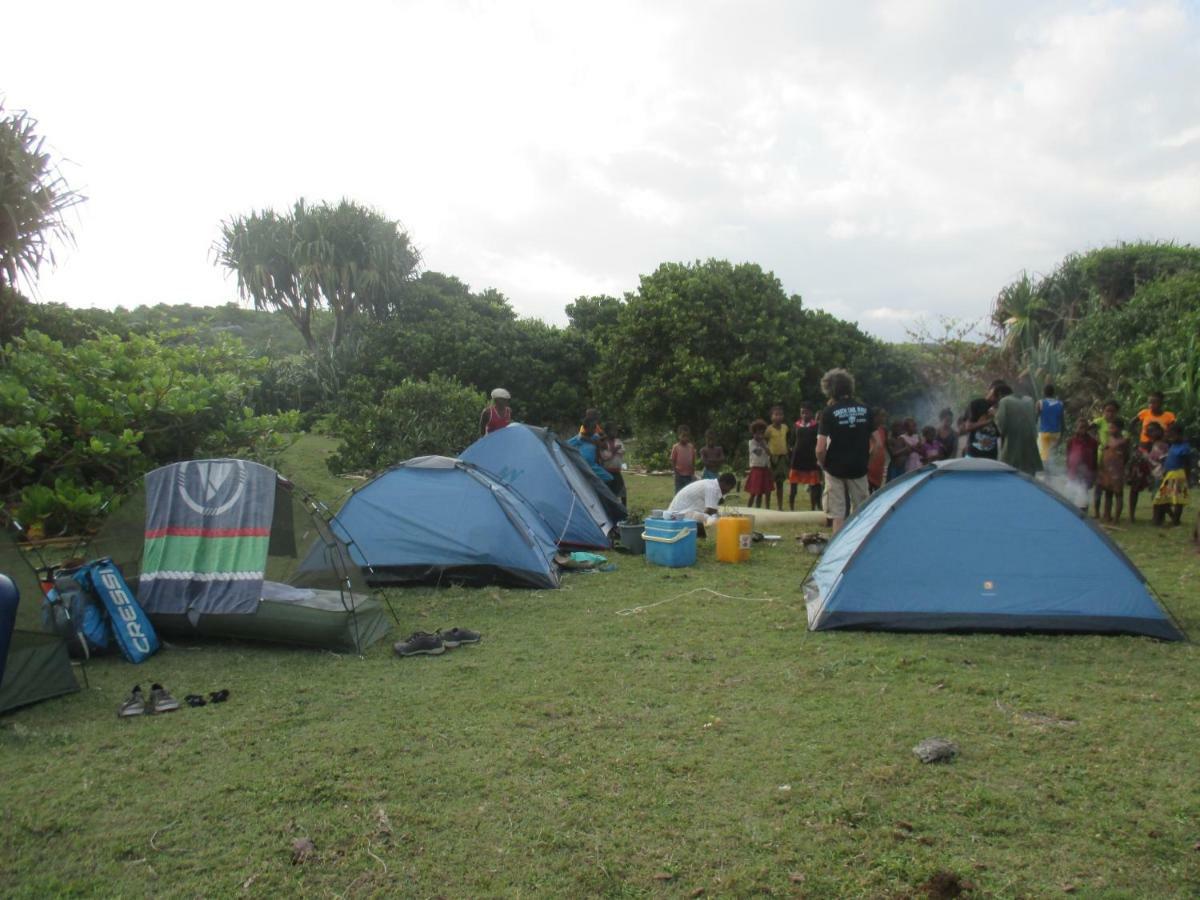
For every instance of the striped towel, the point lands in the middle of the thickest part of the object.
(208, 526)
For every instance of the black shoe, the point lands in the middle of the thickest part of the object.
(161, 700)
(195, 700)
(418, 643)
(456, 636)
(219, 696)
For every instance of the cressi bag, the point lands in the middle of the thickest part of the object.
(127, 622)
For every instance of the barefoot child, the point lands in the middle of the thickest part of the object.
(1140, 474)
(759, 483)
(683, 459)
(712, 456)
(1081, 465)
(778, 442)
(804, 468)
(1172, 494)
(1114, 458)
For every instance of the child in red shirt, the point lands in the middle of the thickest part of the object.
(759, 482)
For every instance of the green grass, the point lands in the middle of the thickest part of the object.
(706, 743)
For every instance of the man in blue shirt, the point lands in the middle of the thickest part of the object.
(1050, 423)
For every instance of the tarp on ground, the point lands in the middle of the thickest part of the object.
(554, 478)
(974, 545)
(439, 520)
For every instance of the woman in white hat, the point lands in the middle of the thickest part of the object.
(498, 415)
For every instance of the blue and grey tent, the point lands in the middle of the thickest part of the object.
(974, 545)
(554, 478)
(439, 520)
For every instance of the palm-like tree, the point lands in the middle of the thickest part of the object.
(344, 258)
(1015, 312)
(33, 200)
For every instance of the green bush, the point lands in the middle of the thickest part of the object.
(439, 416)
(77, 424)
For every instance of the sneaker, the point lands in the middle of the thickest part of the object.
(456, 636)
(420, 642)
(161, 700)
(134, 705)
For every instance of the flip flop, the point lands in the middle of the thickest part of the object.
(195, 700)
(218, 696)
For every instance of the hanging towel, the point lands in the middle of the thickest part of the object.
(208, 527)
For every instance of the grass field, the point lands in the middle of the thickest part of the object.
(705, 746)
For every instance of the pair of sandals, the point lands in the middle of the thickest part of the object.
(215, 697)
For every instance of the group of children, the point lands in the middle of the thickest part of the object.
(1103, 460)
(905, 449)
(779, 454)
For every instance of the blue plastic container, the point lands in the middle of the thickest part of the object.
(670, 543)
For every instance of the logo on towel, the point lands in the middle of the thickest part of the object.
(212, 488)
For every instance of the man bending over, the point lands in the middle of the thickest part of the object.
(699, 500)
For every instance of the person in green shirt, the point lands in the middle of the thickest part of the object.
(1016, 418)
(1111, 408)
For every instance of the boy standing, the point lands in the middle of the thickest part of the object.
(683, 459)
(777, 443)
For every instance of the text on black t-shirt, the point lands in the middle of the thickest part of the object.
(847, 424)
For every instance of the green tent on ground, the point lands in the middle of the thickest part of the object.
(37, 669)
(33, 666)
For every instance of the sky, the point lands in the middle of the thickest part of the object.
(890, 162)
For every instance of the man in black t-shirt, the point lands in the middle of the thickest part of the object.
(843, 447)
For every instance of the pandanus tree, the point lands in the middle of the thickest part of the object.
(345, 258)
(33, 200)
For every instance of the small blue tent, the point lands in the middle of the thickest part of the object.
(974, 545)
(439, 520)
(554, 478)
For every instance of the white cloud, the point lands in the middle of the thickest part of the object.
(913, 155)
(891, 314)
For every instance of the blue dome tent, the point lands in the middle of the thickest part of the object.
(974, 545)
(435, 519)
(554, 478)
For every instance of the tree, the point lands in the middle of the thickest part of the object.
(595, 317)
(78, 423)
(346, 258)
(33, 200)
(439, 417)
(441, 327)
(714, 345)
